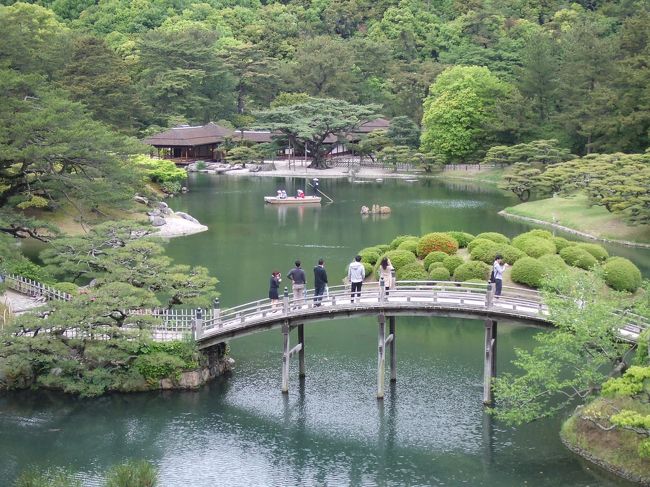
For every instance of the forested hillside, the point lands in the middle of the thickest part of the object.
(576, 71)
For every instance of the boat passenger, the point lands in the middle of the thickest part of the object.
(301, 193)
(283, 194)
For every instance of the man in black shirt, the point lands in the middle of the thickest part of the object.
(320, 282)
(297, 277)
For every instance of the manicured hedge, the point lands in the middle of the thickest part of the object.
(472, 270)
(622, 275)
(553, 264)
(487, 252)
(383, 248)
(399, 258)
(478, 241)
(434, 265)
(463, 238)
(412, 272)
(495, 237)
(399, 239)
(439, 274)
(451, 262)
(534, 246)
(528, 271)
(561, 243)
(410, 245)
(435, 256)
(436, 241)
(367, 266)
(369, 256)
(537, 232)
(598, 251)
(578, 257)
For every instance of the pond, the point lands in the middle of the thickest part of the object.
(330, 429)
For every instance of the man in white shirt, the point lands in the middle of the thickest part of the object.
(356, 274)
(498, 268)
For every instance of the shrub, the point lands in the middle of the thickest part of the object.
(436, 241)
(553, 264)
(382, 248)
(409, 245)
(577, 257)
(494, 237)
(412, 272)
(622, 275)
(472, 270)
(368, 268)
(534, 246)
(369, 256)
(528, 271)
(451, 262)
(158, 365)
(66, 287)
(399, 239)
(435, 265)
(541, 234)
(463, 238)
(561, 243)
(478, 241)
(160, 170)
(439, 274)
(28, 269)
(399, 258)
(170, 187)
(435, 256)
(52, 477)
(598, 251)
(132, 474)
(487, 252)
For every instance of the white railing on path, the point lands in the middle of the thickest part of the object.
(35, 289)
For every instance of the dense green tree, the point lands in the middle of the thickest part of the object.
(521, 180)
(404, 131)
(535, 152)
(308, 124)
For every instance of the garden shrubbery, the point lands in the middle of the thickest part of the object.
(578, 257)
(412, 272)
(528, 271)
(494, 237)
(553, 264)
(409, 245)
(399, 239)
(369, 255)
(534, 246)
(474, 269)
(436, 241)
(451, 262)
(478, 241)
(399, 258)
(463, 238)
(439, 274)
(435, 256)
(598, 251)
(622, 275)
(434, 265)
(560, 243)
(487, 252)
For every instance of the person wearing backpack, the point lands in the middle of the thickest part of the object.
(498, 267)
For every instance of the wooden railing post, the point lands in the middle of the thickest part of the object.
(489, 295)
(382, 291)
(393, 280)
(197, 327)
(216, 311)
(285, 300)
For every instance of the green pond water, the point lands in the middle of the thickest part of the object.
(329, 430)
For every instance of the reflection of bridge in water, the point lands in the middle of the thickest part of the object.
(405, 298)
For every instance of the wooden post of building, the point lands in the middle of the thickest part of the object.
(393, 357)
(301, 353)
(490, 364)
(381, 351)
(285, 357)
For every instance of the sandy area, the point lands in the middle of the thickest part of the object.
(178, 227)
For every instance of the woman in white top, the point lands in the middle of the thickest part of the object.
(386, 273)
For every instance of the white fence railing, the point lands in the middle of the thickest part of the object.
(35, 289)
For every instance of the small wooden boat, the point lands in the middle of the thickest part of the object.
(292, 200)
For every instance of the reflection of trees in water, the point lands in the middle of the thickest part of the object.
(471, 187)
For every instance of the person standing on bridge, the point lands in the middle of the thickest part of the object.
(498, 268)
(297, 277)
(320, 282)
(274, 286)
(386, 273)
(356, 274)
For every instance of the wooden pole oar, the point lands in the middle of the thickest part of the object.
(318, 189)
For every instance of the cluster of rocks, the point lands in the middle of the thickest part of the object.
(221, 167)
(375, 209)
(157, 216)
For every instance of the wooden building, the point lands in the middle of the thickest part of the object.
(185, 144)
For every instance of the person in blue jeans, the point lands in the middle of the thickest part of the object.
(498, 268)
(320, 282)
(356, 274)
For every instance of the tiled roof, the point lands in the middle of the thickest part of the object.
(190, 136)
(257, 136)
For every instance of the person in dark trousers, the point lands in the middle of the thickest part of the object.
(298, 280)
(320, 282)
(274, 286)
(356, 274)
(498, 268)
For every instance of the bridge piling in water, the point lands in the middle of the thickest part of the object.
(381, 355)
(285, 356)
(490, 362)
(301, 353)
(393, 357)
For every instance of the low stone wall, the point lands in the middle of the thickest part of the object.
(217, 363)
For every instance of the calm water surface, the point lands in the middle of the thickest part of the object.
(330, 430)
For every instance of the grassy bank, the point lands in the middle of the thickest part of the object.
(615, 449)
(491, 176)
(574, 213)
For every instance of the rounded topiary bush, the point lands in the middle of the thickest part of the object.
(410, 245)
(577, 257)
(439, 274)
(487, 252)
(541, 234)
(528, 271)
(561, 243)
(478, 241)
(399, 239)
(534, 246)
(598, 251)
(622, 275)
(367, 266)
(369, 255)
(67, 287)
(451, 262)
(495, 237)
(412, 272)
(472, 270)
(436, 241)
(434, 265)
(553, 264)
(435, 256)
(463, 238)
(383, 248)
(399, 258)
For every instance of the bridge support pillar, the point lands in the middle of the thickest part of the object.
(381, 356)
(490, 360)
(393, 357)
(286, 357)
(301, 353)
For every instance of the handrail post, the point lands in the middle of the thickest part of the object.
(197, 327)
(216, 311)
(489, 295)
(382, 291)
(393, 281)
(285, 300)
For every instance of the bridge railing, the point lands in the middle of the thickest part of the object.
(35, 289)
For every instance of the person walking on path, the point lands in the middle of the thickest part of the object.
(274, 286)
(386, 273)
(356, 273)
(497, 273)
(320, 282)
(297, 277)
